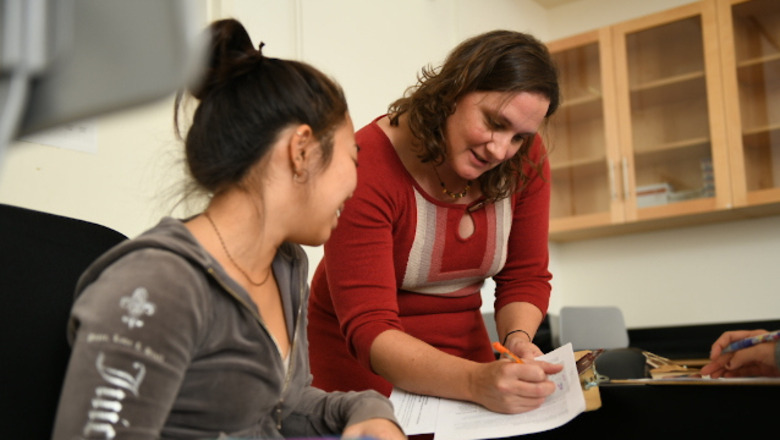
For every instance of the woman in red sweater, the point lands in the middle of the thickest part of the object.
(453, 188)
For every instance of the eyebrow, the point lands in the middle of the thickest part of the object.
(505, 121)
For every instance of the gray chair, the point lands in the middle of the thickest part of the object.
(590, 328)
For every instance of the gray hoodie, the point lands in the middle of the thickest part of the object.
(167, 345)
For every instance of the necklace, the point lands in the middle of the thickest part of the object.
(453, 195)
(230, 257)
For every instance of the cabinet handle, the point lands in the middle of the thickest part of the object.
(625, 177)
(612, 186)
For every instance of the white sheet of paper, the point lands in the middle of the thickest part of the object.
(456, 420)
(416, 413)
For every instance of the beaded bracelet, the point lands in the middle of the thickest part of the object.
(517, 331)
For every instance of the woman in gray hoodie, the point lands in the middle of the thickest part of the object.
(196, 328)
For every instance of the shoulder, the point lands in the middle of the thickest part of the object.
(382, 177)
(166, 259)
(157, 275)
(376, 150)
(537, 155)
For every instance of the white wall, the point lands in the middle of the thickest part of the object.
(584, 15)
(375, 49)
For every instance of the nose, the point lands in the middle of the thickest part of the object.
(500, 147)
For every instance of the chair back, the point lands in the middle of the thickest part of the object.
(590, 328)
(42, 256)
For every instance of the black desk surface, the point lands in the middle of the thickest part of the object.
(676, 411)
(679, 411)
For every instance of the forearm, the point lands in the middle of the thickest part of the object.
(330, 413)
(418, 367)
(518, 316)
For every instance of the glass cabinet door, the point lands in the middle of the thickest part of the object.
(752, 69)
(583, 188)
(672, 136)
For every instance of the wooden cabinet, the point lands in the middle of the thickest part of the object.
(648, 134)
(670, 113)
(582, 135)
(750, 38)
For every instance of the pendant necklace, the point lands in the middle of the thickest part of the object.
(453, 195)
(230, 257)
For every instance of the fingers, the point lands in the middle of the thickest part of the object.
(716, 368)
(531, 380)
(524, 349)
(761, 354)
(381, 429)
(753, 361)
(728, 337)
(531, 370)
(551, 368)
(510, 387)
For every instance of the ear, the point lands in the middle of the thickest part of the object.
(301, 144)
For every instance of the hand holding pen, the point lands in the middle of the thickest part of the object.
(512, 385)
(744, 353)
(506, 353)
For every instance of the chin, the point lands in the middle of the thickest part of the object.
(318, 241)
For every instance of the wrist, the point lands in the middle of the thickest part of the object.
(517, 332)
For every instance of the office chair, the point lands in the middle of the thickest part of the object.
(41, 257)
(590, 328)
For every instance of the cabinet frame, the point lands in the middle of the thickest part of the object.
(705, 10)
(742, 196)
(615, 214)
(732, 200)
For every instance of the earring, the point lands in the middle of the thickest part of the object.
(299, 176)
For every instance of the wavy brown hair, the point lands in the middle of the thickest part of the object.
(496, 61)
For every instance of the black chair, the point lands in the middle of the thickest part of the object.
(41, 258)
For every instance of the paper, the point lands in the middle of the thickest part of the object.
(456, 420)
(80, 136)
(417, 414)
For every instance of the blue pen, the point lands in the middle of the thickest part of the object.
(754, 340)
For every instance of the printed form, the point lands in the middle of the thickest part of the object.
(457, 420)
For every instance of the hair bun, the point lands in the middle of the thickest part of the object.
(231, 53)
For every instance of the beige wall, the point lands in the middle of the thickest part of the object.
(375, 49)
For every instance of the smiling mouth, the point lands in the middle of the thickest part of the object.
(479, 158)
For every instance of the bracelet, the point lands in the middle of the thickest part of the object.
(530, 339)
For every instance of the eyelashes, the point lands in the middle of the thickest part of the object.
(493, 125)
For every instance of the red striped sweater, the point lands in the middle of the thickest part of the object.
(397, 261)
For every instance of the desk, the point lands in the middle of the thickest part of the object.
(676, 411)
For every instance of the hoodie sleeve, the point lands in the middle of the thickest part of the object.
(322, 413)
(123, 378)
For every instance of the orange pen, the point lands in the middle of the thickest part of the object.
(503, 350)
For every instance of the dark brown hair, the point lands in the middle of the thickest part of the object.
(245, 100)
(496, 61)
